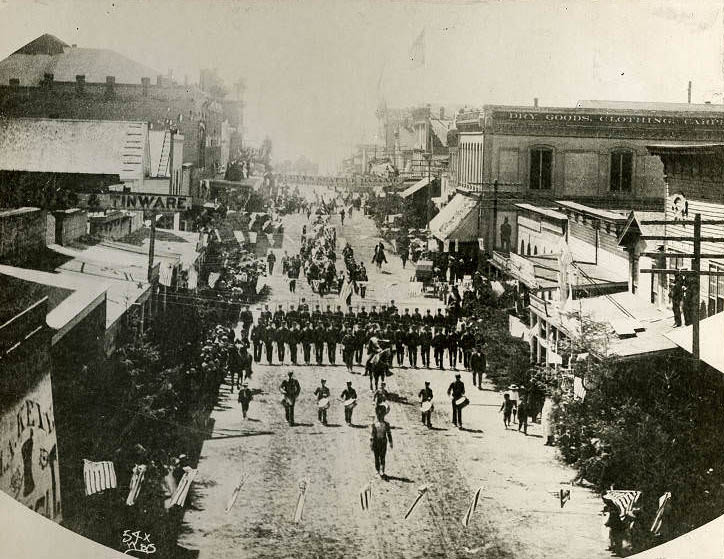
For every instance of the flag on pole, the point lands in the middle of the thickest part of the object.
(417, 50)
(235, 493)
(663, 506)
(365, 496)
(99, 476)
(623, 500)
(565, 496)
(300, 502)
(346, 292)
(472, 507)
(139, 472)
(182, 491)
(420, 493)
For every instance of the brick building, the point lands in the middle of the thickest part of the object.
(50, 79)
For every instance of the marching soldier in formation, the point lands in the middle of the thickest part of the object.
(258, 332)
(269, 338)
(306, 337)
(331, 337)
(282, 338)
(266, 315)
(439, 343)
(319, 335)
(279, 316)
(425, 340)
(411, 340)
(295, 334)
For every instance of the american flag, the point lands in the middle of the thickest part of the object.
(182, 491)
(139, 471)
(99, 476)
(472, 507)
(624, 500)
(365, 496)
(663, 505)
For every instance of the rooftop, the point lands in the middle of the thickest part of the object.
(649, 106)
(547, 212)
(49, 55)
(606, 215)
(635, 227)
(98, 147)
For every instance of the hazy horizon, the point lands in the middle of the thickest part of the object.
(315, 71)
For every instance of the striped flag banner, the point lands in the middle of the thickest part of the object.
(299, 510)
(420, 494)
(663, 506)
(235, 493)
(99, 476)
(139, 472)
(624, 500)
(472, 507)
(345, 292)
(182, 491)
(365, 496)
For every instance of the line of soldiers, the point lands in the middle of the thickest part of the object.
(408, 335)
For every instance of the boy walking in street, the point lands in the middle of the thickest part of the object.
(380, 434)
(245, 397)
(507, 408)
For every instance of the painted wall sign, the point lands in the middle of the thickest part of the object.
(28, 451)
(137, 201)
(593, 119)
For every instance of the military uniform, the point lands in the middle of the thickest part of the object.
(411, 340)
(270, 334)
(258, 332)
(319, 336)
(426, 396)
(467, 341)
(347, 394)
(294, 338)
(266, 316)
(282, 337)
(425, 340)
(290, 389)
(456, 390)
(332, 336)
(278, 316)
(307, 338)
(399, 337)
(439, 343)
(452, 348)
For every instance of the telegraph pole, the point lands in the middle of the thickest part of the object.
(696, 268)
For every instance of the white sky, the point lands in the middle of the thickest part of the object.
(316, 70)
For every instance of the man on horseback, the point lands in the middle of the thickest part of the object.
(379, 354)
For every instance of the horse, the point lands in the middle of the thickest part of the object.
(379, 366)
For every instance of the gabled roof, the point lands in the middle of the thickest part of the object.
(45, 44)
(547, 212)
(98, 147)
(634, 227)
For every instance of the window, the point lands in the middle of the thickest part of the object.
(634, 273)
(541, 168)
(621, 171)
(716, 290)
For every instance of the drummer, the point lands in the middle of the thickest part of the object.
(349, 396)
(425, 397)
(290, 389)
(322, 394)
(457, 391)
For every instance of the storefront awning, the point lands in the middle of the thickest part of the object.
(711, 333)
(458, 221)
(410, 190)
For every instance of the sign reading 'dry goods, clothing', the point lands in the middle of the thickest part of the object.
(715, 120)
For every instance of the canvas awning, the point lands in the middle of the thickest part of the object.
(458, 221)
(711, 333)
(419, 185)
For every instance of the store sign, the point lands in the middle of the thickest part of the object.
(136, 201)
(589, 119)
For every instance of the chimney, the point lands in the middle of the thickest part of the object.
(535, 102)
(145, 82)
(442, 113)
(80, 84)
(110, 85)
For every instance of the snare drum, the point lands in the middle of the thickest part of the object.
(427, 406)
(462, 402)
(323, 403)
(350, 403)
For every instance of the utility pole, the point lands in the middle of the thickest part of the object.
(696, 270)
(151, 246)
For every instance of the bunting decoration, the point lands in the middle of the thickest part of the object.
(623, 500)
(99, 476)
(664, 501)
(182, 491)
(139, 472)
(472, 507)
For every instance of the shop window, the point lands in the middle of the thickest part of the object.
(535, 250)
(621, 171)
(522, 247)
(541, 168)
(528, 251)
(716, 290)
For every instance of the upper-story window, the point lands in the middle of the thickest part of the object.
(621, 171)
(541, 168)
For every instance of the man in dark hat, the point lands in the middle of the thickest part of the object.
(245, 397)
(290, 390)
(457, 390)
(426, 396)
